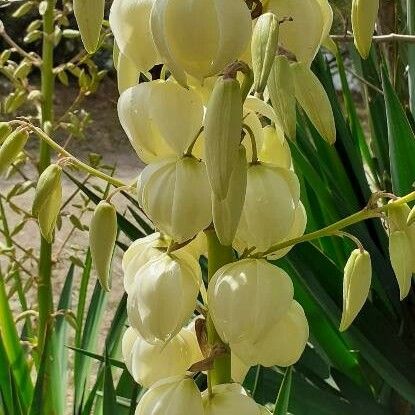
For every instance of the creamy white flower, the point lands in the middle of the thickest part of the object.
(130, 23)
(246, 298)
(160, 118)
(229, 399)
(175, 195)
(172, 396)
(164, 296)
(200, 37)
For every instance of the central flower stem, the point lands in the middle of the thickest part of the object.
(219, 256)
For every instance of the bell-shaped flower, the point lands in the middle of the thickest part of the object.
(164, 296)
(272, 197)
(130, 23)
(149, 363)
(175, 195)
(282, 345)
(172, 396)
(200, 38)
(246, 298)
(310, 18)
(356, 286)
(160, 118)
(127, 73)
(364, 16)
(229, 399)
(314, 100)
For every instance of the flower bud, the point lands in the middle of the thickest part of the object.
(269, 190)
(227, 212)
(356, 286)
(200, 38)
(89, 16)
(149, 363)
(11, 148)
(223, 129)
(5, 131)
(281, 88)
(282, 345)
(275, 149)
(313, 99)
(401, 255)
(311, 18)
(48, 180)
(160, 118)
(172, 396)
(264, 47)
(241, 287)
(130, 23)
(364, 15)
(229, 399)
(171, 192)
(164, 296)
(102, 238)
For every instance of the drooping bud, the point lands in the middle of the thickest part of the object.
(400, 252)
(270, 189)
(312, 18)
(149, 363)
(356, 286)
(5, 131)
(48, 180)
(130, 23)
(89, 16)
(313, 99)
(11, 147)
(282, 345)
(223, 129)
(173, 396)
(171, 192)
(281, 88)
(229, 399)
(240, 287)
(200, 38)
(160, 118)
(227, 212)
(102, 238)
(264, 47)
(164, 296)
(364, 15)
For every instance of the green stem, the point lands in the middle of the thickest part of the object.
(338, 226)
(49, 142)
(45, 295)
(219, 256)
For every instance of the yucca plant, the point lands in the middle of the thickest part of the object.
(280, 183)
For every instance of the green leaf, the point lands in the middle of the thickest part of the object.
(283, 398)
(401, 141)
(109, 398)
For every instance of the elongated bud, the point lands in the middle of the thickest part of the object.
(11, 148)
(227, 212)
(400, 252)
(49, 211)
(229, 399)
(364, 15)
(356, 286)
(314, 101)
(102, 238)
(264, 47)
(234, 284)
(5, 131)
(89, 16)
(223, 127)
(172, 396)
(48, 181)
(281, 88)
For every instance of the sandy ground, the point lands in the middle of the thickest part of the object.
(103, 136)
